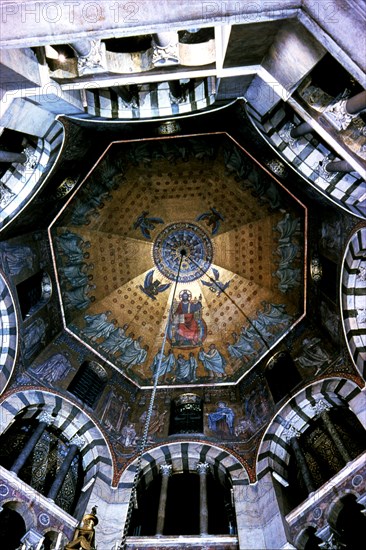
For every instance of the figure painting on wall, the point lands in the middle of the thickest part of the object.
(69, 242)
(287, 228)
(313, 355)
(115, 411)
(215, 285)
(80, 297)
(77, 275)
(98, 325)
(117, 340)
(134, 354)
(34, 336)
(183, 369)
(166, 366)
(128, 435)
(146, 224)
(213, 361)
(55, 368)
(157, 422)
(188, 328)
(222, 413)
(212, 218)
(243, 345)
(192, 367)
(17, 257)
(152, 288)
(256, 409)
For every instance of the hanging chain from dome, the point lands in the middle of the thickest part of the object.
(133, 497)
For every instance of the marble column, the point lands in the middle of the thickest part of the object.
(301, 130)
(321, 408)
(165, 470)
(356, 104)
(45, 419)
(339, 166)
(82, 47)
(165, 48)
(330, 539)
(176, 91)
(341, 113)
(292, 435)
(77, 443)
(202, 469)
(9, 156)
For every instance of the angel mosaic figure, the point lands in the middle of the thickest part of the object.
(146, 224)
(152, 288)
(213, 218)
(215, 285)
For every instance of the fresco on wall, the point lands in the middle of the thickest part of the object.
(56, 367)
(18, 257)
(223, 288)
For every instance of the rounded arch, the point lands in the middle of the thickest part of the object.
(353, 297)
(273, 453)
(23, 181)
(306, 535)
(70, 419)
(184, 456)
(8, 333)
(23, 509)
(346, 518)
(14, 523)
(52, 536)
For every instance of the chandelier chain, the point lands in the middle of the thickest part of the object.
(143, 442)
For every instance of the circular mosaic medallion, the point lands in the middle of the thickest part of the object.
(317, 513)
(357, 480)
(185, 239)
(44, 519)
(4, 490)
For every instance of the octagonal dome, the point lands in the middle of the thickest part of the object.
(186, 240)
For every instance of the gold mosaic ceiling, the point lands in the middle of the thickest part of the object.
(118, 245)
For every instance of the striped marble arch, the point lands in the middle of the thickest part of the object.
(22, 181)
(8, 334)
(353, 298)
(70, 419)
(184, 456)
(274, 451)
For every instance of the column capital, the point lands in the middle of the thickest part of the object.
(78, 441)
(336, 113)
(285, 133)
(332, 543)
(202, 468)
(46, 417)
(320, 406)
(290, 432)
(94, 61)
(166, 470)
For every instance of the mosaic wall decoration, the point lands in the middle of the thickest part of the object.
(185, 241)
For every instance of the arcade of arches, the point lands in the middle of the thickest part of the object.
(182, 275)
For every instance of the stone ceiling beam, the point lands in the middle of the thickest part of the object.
(35, 23)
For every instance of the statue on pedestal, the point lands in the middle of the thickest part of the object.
(84, 537)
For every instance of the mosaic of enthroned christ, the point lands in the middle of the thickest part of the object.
(196, 211)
